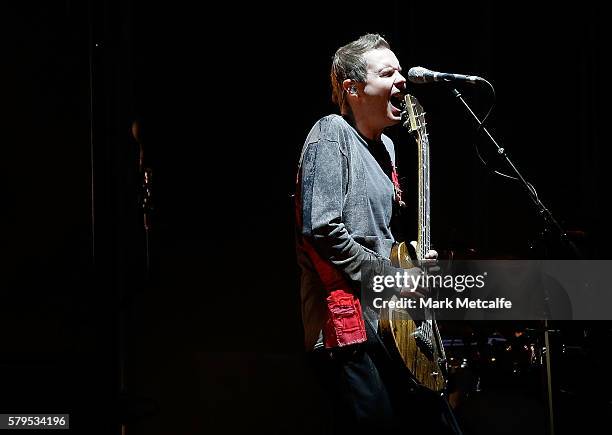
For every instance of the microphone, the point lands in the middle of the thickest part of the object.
(418, 74)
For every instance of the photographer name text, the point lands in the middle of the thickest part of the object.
(431, 303)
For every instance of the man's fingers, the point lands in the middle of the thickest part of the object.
(432, 253)
(417, 293)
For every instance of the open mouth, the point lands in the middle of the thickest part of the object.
(397, 101)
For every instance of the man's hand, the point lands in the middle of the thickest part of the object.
(416, 275)
(430, 263)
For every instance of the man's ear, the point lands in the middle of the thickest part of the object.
(349, 86)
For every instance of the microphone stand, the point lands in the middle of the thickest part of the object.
(550, 224)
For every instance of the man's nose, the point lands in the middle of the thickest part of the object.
(400, 82)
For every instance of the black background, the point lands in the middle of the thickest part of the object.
(225, 97)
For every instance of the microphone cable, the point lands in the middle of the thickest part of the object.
(477, 150)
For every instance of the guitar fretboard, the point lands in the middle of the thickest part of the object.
(424, 237)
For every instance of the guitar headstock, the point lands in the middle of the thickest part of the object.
(414, 116)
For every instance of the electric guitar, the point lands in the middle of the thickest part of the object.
(416, 343)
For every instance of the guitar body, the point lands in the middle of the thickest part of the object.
(414, 343)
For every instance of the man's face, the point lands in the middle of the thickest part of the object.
(382, 91)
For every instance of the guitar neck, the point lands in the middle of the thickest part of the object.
(415, 122)
(424, 236)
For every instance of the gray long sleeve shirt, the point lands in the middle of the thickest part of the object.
(345, 201)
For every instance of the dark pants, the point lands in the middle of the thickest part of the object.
(369, 393)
